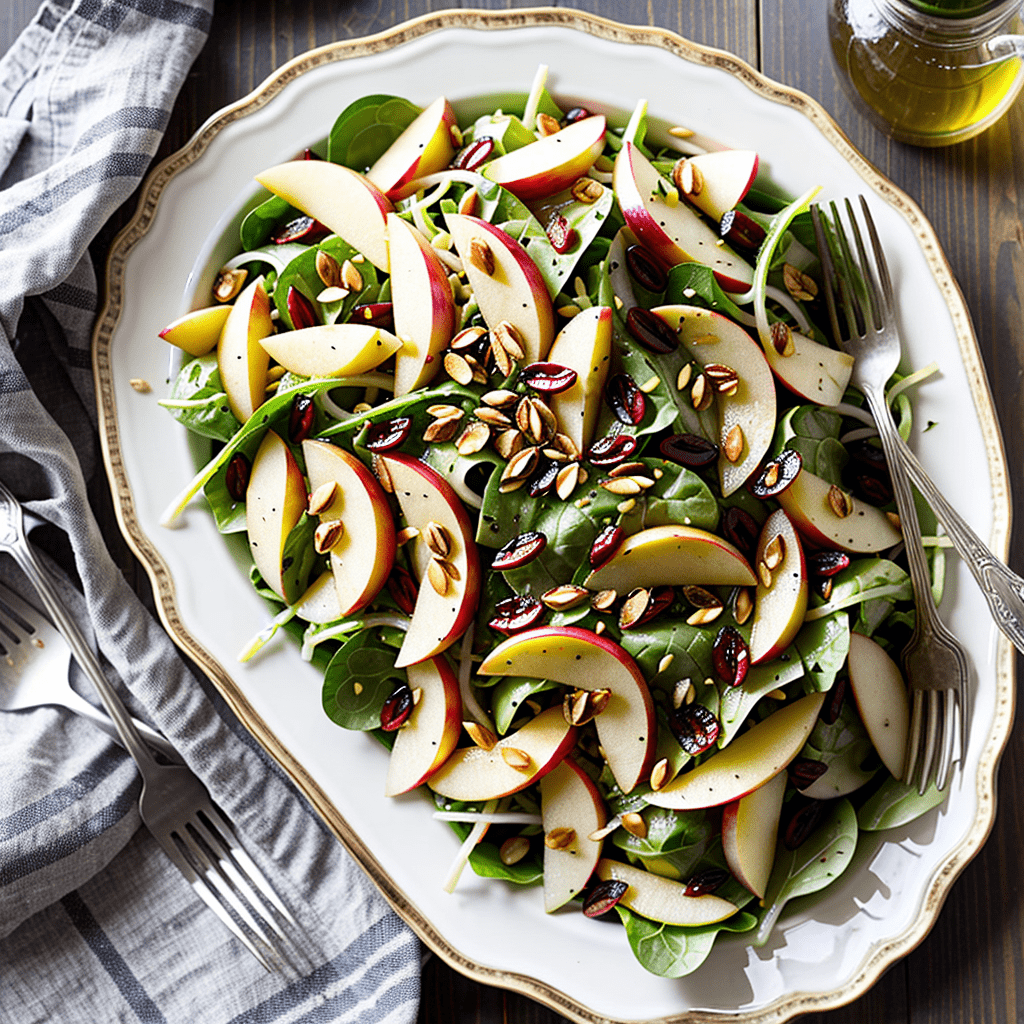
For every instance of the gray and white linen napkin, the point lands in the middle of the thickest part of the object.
(95, 923)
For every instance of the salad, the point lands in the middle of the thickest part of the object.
(544, 458)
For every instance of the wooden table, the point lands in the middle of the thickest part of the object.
(969, 969)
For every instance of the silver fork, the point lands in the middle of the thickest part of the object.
(935, 662)
(174, 804)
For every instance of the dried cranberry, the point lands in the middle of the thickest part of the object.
(651, 331)
(516, 613)
(301, 418)
(397, 708)
(301, 229)
(383, 437)
(833, 706)
(660, 599)
(625, 399)
(741, 231)
(550, 378)
(803, 771)
(612, 449)
(873, 489)
(777, 474)
(705, 881)
(522, 548)
(827, 563)
(606, 544)
(300, 310)
(802, 822)
(376, 314)
(402, 587)
(576, 114)
(603, 896)
(695, 727)
(731, 656)
(741, 530)
(646, 269)
(543, 477)
(561, 234)
(236, 476)
(689, 450)
(470, 157)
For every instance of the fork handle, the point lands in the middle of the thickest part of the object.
(1001, 587)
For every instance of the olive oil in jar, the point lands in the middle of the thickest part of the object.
(927, 80)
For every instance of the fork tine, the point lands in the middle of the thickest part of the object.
(880, 261)
(850, 299)
(914, 737)
(933, 720)
(950, 699)
(871, 283)
(828, 271)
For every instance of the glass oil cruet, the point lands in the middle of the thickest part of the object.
(929, 72)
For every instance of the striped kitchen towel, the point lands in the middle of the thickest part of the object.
(95, 923)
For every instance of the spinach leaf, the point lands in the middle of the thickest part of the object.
(814, 864)
(845, 748)
(508, 695)
(694, 284)
(683, 834)
(739, 701)
(895, 803)
(198, 400)
(854, 584)
(366, 127)
(259, 223)
(823, 645)
(814, 432)
(358, 679)
(485, 860)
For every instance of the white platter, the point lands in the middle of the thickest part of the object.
(824, 952)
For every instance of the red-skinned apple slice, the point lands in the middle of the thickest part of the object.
(752, 759)
(424, 309)
(332, 350)
(672, 555)
(881, 696)
(438, 620)
(197, 332)
(515, 292)
(319, 604)
(584, 345)
(675, 234)
(552, 163)
(752, 405)
(432, 730)
(241, 357)
(362, 558)
(346, 202)
(750, 827)
(725, 178)
(575, 657)
(274, 502)
(866, 528)
(779, 608)
(423, 148)
(472, 773)
(569, 799)
(811, 370)
(662, 899)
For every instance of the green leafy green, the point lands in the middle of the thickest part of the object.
(198, 400)
(359, 678)
(845, 748)
(508, 695)
(366, 127)
(823, 646)
(485, 860)
(894, 803)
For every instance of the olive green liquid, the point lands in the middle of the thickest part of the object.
(918, 95)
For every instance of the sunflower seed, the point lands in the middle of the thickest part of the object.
(547, 125)
(560, 838)
(350, 277)
(438, 576)
(327, 535)
(438, 541)
(687, 177)
(765, 575)
(380, 468)
(565, 482)
(509, 443)
(443, 429)
(732, 445)
(633, 607)
(839, 502)
(634, 824)
(684, 377)
(439, 412)
(782, 338)
(493, 417)
(500, 399)
(701, 394)
(481, 736)
(332, 295)
(703, 616)
(682, 693)
(724, 378)
(513, 850)
(481, 256)
(743, 606)
(681, 133)
(774, 551)
(458, 369)
(624, 486)
(516, 758)
(659, 774)
(586, 190)
(327, 269)
(473, 439)
(228, 284)
(798, 284)
(699, 597)
(467, 338)
(322, 498)
(565, 595)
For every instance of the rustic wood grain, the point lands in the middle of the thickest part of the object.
(969, 969)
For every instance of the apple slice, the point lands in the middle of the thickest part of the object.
(626, 728)
(750, 827)
(552, 163)
(672, 554)
(675, 234)
(725, 177)
(512, 764)
(423, 148)
(569, 799)
(865, 528)
(274, 502)
(752, 759)
(424, 308)
(811, 370)
(662, 899)
(362, 558)
(438, 620)
(584, 345)
(344, 201)
(241, 357)
(779, 607)
(709, 337)
(332, 350)
(431, 732)
(881, 697)
(514, 292)
(199, 331)
(319, 604)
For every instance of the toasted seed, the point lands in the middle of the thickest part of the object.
(600, 628)
(686, 176)
(327, 269)
(443, 411)
(468, 202)
(521, 465)
(516, 758)
(438, 540)
(381, 470)
(473, 439)
(405, 535)
(138, 384)
(513, 850)
(634, 824)
(492, 417)
(332, 295)
(894, 518)
(659, 774)
(771, 474)
(509, 443)
(547, 125)
(565, 595)
(443, 429)
(681, 133)
(682, 693)
(481, 736)
(507, 486)
(701, 394)
(350, 277)
(765, 575)
(357, 688)
(625, 507)
(732, 446)
(743, 606)
(481, 256)
(633, 607)
(798, 284)
(417, 695)
(699, 597)
(457, 368)
(500, 399)
(480, 374)
(666, 663)
(624, 486)
(327, 535)
(467, 338)
(724, 378)
(839, 502)
(702, 616)
(601, 833)
(627, 469)
(228, 284)
(774, 551)
(650, 384)
(510, 338)
(438, 577)
(603, 600)
(683, 379)
(586, 190)
(565, 482)
(560, 838)
(321, 499)
(782, 338)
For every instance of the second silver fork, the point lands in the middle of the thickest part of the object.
(935, 662)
